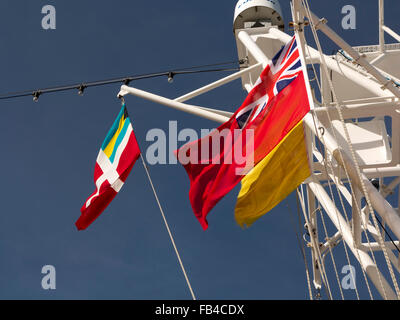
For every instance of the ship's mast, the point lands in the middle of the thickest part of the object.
(353, 114)
(353, 134)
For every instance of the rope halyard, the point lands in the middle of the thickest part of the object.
(121, 97)
(167, 227)
(347, 220)
(332, 256)
(300, 243)
(316, 248)
(381, 242)
(327, 162)
(330, 187)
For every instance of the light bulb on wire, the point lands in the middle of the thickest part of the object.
(170, 77)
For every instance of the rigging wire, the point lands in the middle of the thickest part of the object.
(300, 243)
(331, 252)
(308, 12)
(167, 227)
(354, 159)
(349, 59)
(327, 162)
(385, 193)
(387, 233)
(165, 220)
(81, 86)
(316, 247)
(330, 187)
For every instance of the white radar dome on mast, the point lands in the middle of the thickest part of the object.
(257, 13)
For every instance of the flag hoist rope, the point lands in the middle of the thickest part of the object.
(164, 218)
(168, 229)
(327, 164)
(300, 241)
(323, 275)
(363, 187)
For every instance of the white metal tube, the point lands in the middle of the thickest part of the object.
(217, 111)
(340, 223)
(381, 24)
(391, 33)
(317, 267)
(336, 66)
(380, 204)
(384, 209)
(382, 172)
(198, 111)
(355, 55)
(331, 242)
(356, 214)
(368, 172)
(360, 110)
(254, 49)
(391, 186)
(217, 83)
(314, 124)
(377, 59)
(376, 246)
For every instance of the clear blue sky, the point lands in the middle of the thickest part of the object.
(49, 150)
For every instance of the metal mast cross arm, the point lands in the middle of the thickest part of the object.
(364, 92)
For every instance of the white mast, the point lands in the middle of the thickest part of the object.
(359, 94)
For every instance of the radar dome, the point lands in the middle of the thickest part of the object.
(257, 13)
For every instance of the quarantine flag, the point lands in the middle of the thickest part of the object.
(115, 160)
(273, 178)
(216, 163)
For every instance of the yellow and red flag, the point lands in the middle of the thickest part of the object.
(273, 112)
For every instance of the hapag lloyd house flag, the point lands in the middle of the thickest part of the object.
(115, 160)
(273, 112)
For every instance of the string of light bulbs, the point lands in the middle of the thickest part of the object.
(81, 86)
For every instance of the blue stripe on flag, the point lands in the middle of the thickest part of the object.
(119, 139)
(113, 129)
